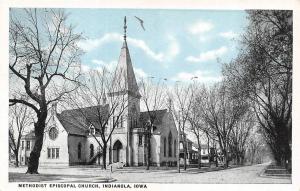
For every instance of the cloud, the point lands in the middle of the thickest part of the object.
(143, 46)
(90, 44)
(228, 34)
(172, 50)
(110, 66)
(85, 68)
(209, 55)
(200, 27)
(201, 76)
(140, 73)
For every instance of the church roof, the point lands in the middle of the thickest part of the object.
(124, 78)
(71, 125)
(76, 121)
(159, 114)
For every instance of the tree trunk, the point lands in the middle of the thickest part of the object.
(110, 154)
(148, 150)
(216, 160)
(184, 153)
(208, 150)
(99, 157)
(199, 153)
(39, 128)
(242, 159)
(199, 158)
(16, 153)
(104, 155)
(252, 157)
(238, 162)
(226, 159)
(178, 151)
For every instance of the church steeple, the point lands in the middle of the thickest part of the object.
(125, 28)
(124, 76)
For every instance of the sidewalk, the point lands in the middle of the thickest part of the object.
(215, 175)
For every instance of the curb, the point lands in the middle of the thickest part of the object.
(276, 176)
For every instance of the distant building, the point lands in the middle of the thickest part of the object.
(26, 147)
(66, 142)
(192, 152)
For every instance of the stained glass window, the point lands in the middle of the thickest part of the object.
(53, 133)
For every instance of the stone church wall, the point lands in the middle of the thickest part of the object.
(73, 149)
(168, 125)
(61, 142)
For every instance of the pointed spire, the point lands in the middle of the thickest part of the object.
(124, 76)
(103, 98)
(125, 27)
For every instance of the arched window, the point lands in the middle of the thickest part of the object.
(170, 144)
(92, 130)
(53, 133)
(131, 122)
(91, 150)
(121, 122)
(79, 151)
(175, 145)
(165, 146)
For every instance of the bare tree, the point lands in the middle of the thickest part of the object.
(20, 118)
(221, 112)
(44, 60)
(154, 97)
(197, 128)
(93, 104)
(195, 118)
(182, 103)
(263, 73)
(256, 148)
(240, 135)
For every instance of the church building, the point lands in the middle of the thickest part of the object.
(67, 142)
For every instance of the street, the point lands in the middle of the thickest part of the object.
(245, 174)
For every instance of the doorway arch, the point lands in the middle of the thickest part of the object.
(117, 147)
(91, 150)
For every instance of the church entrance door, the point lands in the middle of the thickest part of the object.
(117, 151)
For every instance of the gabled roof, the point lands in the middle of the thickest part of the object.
(71, 125)
(159, 114)
(77, 121)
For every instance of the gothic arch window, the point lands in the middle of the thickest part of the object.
(175, 145)
(121, 122)
(92, 130)
(165, 146)
(170, 144)
(135, 123)
(91, 150)
(79, 151)
(154, 128)
(53, 133)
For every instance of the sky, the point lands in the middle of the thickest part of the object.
(176, 44)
